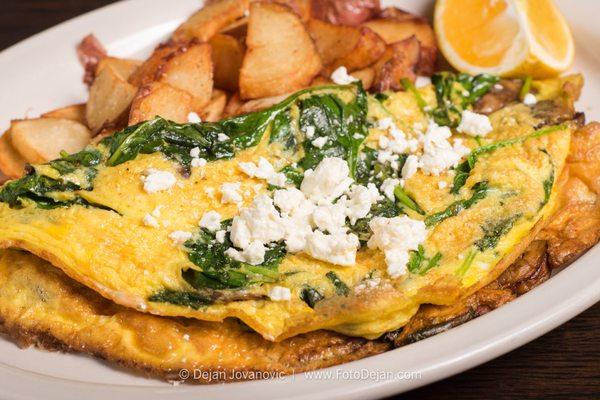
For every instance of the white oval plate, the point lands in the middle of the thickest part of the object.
(42, 73)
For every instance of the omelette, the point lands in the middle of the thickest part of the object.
(332, 210)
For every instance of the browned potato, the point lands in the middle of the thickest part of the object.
(366, 75)
(261, 104)
(228, 55)
(75, 112)
(233, 105)
(12, 163)
(238, 29)
(211, 19)
(393, 30)
(399, 61)
(397, 14)
(146, 73)
(109, 99)
(41, 140)
(281, 56)
(332, 41)
(370, 48)
(214, 110)
(190, 68)
(345, 12)
(300, 7)
(123, 67)
(161, 99)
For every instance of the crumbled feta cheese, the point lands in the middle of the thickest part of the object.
(195, 152)
(280, 293)
(194, 118)
(264, 170)
(360, 200)
(474, 124)
(186, 337)
(329, 180)
(336, 248)
(310, 132)
(150, 221)
(341, 77)
(384, 142)
(396, 237)
(156, 212)
(198, 162)
(230, 193)
(211, 221)
(410, 166)
(319, 142)
(156, 181)
(180, 237)
(438, 153)
(331, 217)
(288, 200)
(399, 142)
(220, 236)
(221, 137)
(498, 86)
(253, 254)
(422, 81)
(529, 100)
(388, 186)
(261, 222)
(442, 184)
(210, 192)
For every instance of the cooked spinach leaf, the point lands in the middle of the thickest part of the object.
(341, 289)
(466, 263)
(187, 299)
(493, 232)
(480, 190)
(219, 271)
(311, 296)
(405, 199)
(455, 92)
(418, 263)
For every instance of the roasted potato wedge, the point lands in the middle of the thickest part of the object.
(12, 163)
(161, 99)
(332, 41)
(146, 72)
(122, 66)
(281, 56)
(109, 100)
(396, 30)
(301, 7)
(366, 75)
(41, 140)
(75, 112)
(190, 68)
(233, 105)
(214, 110)
(227, 55)
(345, 12)
(399, 61)
(369, 48)
(211, 19)
(238, 29)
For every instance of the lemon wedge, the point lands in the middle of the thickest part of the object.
(504, 37)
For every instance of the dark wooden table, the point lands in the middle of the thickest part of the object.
(563, 364)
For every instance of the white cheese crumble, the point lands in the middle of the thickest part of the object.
(410, 166)
(360, 200)
(230, 193)
(220, 236)
(221, 137)
(194, 118)
(319, 142)
(341, 77)
(438, 153)
(337, 248)
(198, 162)
(261, 222)
(388, 186)
(264, 170)
(474, 124)
(422, 81)
(254, 254)
(280, 293)
(396, 237)
(186, 337)
(156, 212)
(310, 132)
(329, 180)
(442, 184)
(151, 221)
(180, 237)
(211, 221)
(156, 181)
(529, 99)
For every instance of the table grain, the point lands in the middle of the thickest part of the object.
(563, 364)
